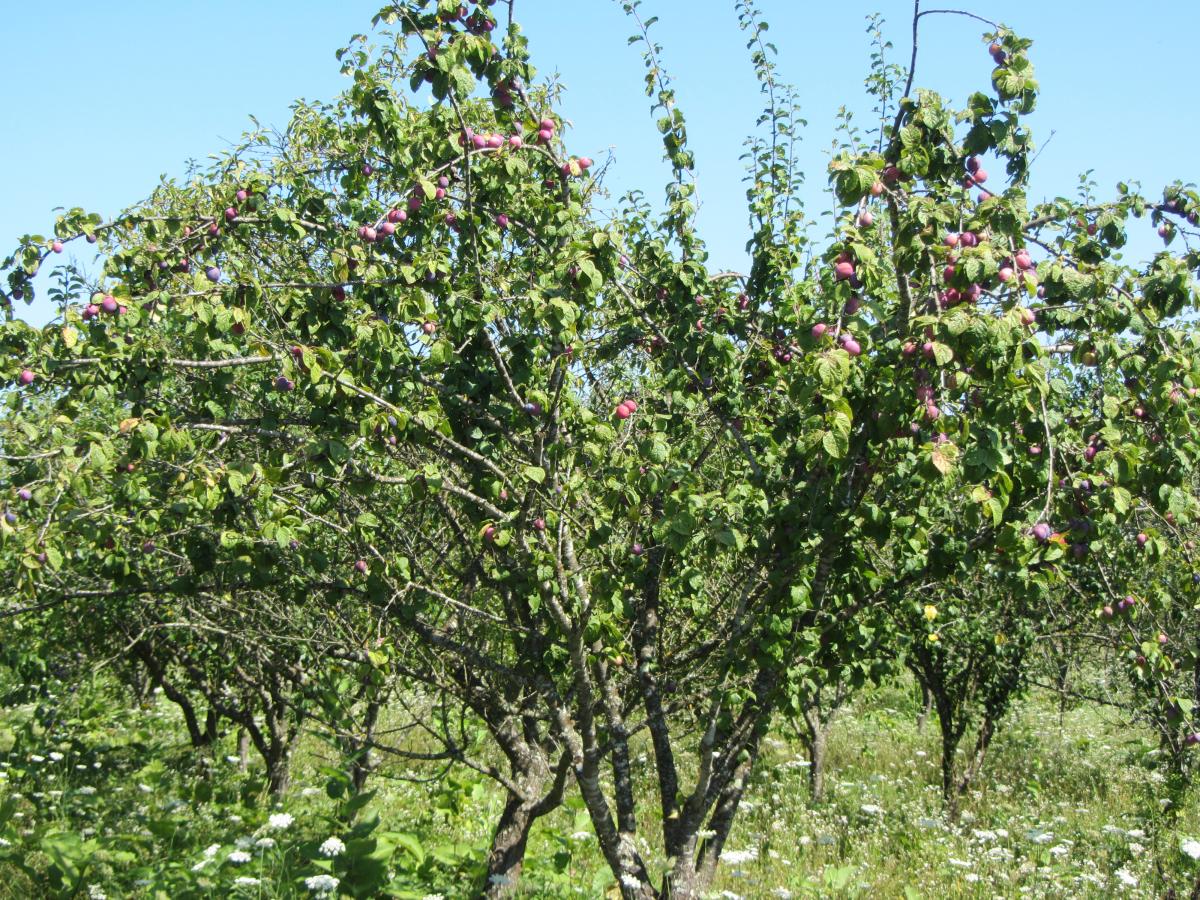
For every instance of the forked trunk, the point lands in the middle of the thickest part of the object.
(506, 858)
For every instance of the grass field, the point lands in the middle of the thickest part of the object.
(1066, 808)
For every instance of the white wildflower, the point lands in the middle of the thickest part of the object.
(265, 843)
(870, 809)
(237, 857)
(928, 823)
(1190, 847)
(737, 857)
(434, 897)
(245, 842)
(332, 847)
(309, 791)
(321, 884)
(1126, 878)
(211, 851)
(959, 863)
(1135, 834)
(233, 759)
(982, 835)
(37, 759)
(1059, 851)
(56, 756)
(1038, 836)
(247, 881)
(87, 790)
(581, 836)
(1136, 849)
(145, 789)
(630, 882)
(280, 821)
(782, 893)
(971, 877)
(95, 892)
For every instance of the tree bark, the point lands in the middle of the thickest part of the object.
(926, 707)
(986, 731)
(949, 794)
(506, 858)
(816, 768)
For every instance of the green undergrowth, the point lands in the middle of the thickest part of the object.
(100, 798)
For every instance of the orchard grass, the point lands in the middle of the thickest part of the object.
(1070, 804)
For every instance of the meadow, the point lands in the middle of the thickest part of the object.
(1072, 803)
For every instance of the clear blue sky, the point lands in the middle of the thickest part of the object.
(103, 98)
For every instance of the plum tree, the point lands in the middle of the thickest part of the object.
(793, 470)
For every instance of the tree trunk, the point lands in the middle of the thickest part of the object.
(949, 792)
(360, 749)
(816, 769)
(506, 859)
(926, 707)
(986, 731)
(278, 770)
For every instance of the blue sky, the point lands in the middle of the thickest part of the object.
(103, 98)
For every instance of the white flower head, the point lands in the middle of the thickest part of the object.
(434, 897)
(870, 809)
(247, 881)
(630, 882)
(56, 756)
(333, 846)
(1127, 878)
(321, 884)
(280, 821)
(95, 892)
(737, 857)
(237, 857)
(1190, 847)
(265, 843)
(211, 850)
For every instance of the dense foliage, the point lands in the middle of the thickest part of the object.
(384, 418)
